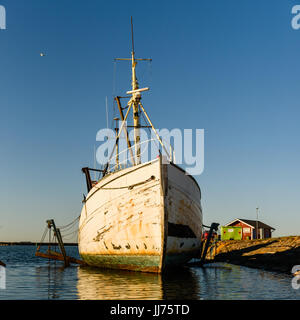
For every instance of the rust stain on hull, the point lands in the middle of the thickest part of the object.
(135, 222)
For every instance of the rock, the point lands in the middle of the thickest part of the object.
(274, 254)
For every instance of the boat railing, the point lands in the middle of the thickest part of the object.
(127, 158)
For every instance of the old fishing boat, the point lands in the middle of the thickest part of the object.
(142, 216)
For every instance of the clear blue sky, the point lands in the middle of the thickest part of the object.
(229, 67)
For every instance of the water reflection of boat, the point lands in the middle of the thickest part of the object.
(105, 284)
(181, 284)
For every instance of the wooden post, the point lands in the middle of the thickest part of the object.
(214, 226)
(60, 242)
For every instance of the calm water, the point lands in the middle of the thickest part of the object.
(29, 277)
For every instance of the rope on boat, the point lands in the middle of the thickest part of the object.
(128, 187)
(57, 240)
(66, 231)
(70, 224)
(44, 234)
(70, 233)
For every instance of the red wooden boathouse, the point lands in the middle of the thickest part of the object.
(249, 228)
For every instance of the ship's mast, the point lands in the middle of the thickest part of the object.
(117, 143)
(137, 107)
(136, 97)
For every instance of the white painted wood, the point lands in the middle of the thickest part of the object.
(115, 215)
(183, 204)
(124, 212)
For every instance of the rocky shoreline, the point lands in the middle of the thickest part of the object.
(274, 254)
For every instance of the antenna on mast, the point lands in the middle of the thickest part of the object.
(106, 108)
(95, 165)
(132, 35)
(136, 105)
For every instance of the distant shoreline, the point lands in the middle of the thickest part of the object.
(29, 243)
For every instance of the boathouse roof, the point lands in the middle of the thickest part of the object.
(251, 223)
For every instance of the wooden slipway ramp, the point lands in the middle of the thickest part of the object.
(54, 255)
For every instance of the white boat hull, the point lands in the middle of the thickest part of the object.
(144, 218)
